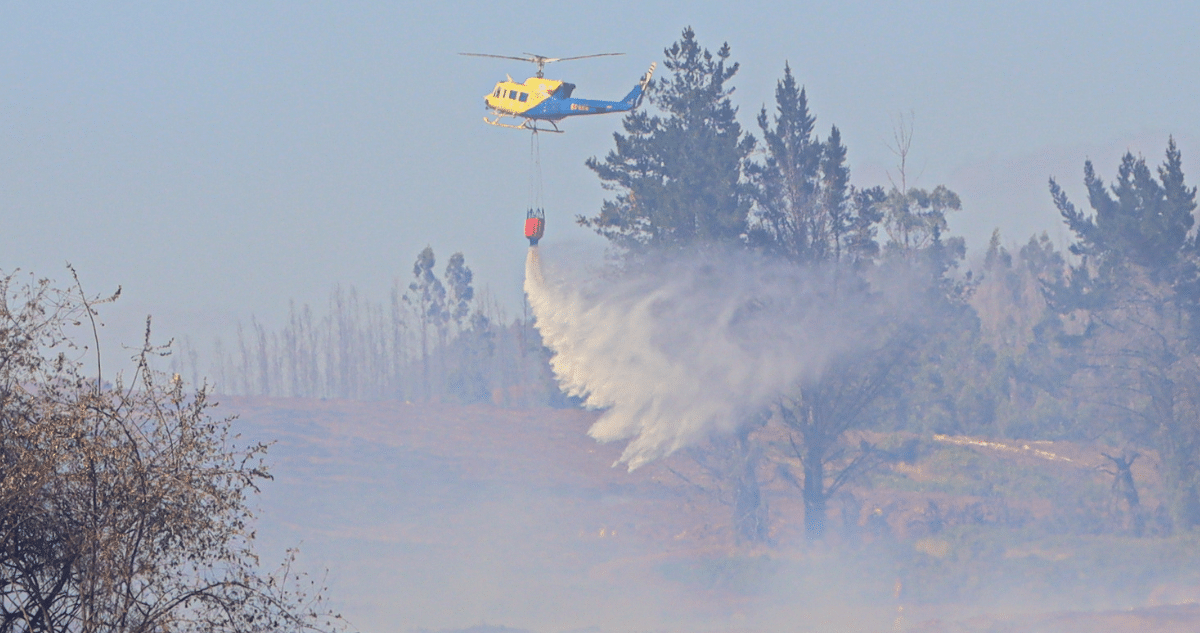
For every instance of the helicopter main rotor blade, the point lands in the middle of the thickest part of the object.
(547, 60)
(520, 59)
(563, 59)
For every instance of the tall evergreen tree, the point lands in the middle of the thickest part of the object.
(788, 178)
(1134, 281)
(835, 197)
(807, 212)
(806, 209)
(679, 175)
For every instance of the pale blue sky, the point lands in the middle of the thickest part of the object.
(219, 159)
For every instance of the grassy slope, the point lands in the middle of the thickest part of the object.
(441, 517)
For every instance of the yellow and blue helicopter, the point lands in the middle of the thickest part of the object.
(550, 100)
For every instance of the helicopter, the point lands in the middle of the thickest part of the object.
(549, 100)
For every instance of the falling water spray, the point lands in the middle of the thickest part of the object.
(677, 349)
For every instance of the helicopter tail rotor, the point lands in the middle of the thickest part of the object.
(649, 74)
(634, 98)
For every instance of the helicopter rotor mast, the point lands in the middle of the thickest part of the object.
(540, 60)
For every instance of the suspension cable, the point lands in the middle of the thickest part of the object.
(536, 189)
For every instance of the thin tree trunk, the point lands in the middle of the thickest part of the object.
(814, 493)
(749, 509)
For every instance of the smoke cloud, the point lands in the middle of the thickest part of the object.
(677, 350)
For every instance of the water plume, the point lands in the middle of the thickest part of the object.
(678, 349)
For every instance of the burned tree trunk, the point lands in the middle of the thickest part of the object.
(816, 497)
(1123, 489)
(820, 415)
(750, 510)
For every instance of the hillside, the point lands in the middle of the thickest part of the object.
(438, 517)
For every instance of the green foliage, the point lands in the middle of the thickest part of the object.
(806, 209)
(679, 176)
(458, 289)
(1138, 220)
(1134, 288)
(998, 363)
(915, 220)
(1140, 228)
(788, 179)
(428, 293)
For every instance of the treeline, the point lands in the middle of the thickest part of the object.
(433, 340)
(1098, 344)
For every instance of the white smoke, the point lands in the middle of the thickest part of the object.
(684, 349)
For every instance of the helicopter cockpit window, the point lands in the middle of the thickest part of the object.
(497, 93)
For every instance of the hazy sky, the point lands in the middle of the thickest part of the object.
(219, 159)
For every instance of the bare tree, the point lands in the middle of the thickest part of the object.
(820, 413)
(123, 508)
(730, 468)
(1124, 489)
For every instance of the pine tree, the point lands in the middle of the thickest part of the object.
(806, 210)
(679, 175)
(787, 180)
(1135, 284)
(835, 197)
(1138, 221)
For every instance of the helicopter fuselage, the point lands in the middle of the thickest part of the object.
(541, 99)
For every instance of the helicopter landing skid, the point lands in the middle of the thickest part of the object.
(526, 125)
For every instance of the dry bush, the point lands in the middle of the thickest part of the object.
(123, 506)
